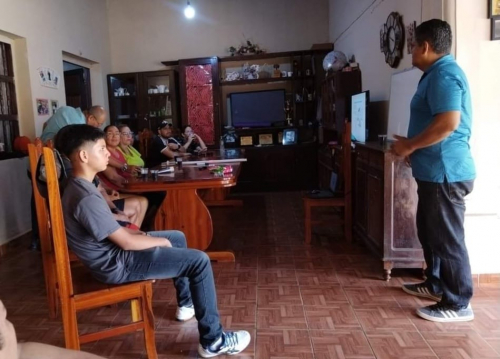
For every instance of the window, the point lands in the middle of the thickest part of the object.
(9, 127)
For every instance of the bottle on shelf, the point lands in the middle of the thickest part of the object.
(221, 147)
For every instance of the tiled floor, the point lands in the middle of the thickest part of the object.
(323, 301)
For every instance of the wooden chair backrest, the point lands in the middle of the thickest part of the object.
(58, 230)
(343, 160)
(35, 151)
(145, 137)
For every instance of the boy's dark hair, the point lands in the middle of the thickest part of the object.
(437, 33)
(72, 137)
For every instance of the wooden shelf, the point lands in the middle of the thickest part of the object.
(158, 94)
(256, 81)
(124, 97)
(264, 80)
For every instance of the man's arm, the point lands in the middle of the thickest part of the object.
(440, 128)
(44, 351)
(136, 242)
(167, 152)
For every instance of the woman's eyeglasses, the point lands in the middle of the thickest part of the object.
(127, 134)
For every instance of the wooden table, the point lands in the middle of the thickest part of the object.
(182, 208)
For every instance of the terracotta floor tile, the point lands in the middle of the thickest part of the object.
(232, 295)
(282, 317)
(340, 344)
(459, 345)
(323, 295)
(334, 317)
(278, 295)
(399, 345)
(283, 344)
(317, 277)
(384, 319)
(276, 277)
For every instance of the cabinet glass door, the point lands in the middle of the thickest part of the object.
(158, 99)
(123, 99)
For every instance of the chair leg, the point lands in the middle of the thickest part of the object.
(70, 325)
(135, 307)
(307, 222)
(149, 321)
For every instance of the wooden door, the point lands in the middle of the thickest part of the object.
(77, 88)
(200, 97)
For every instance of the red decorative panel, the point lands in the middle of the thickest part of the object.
(200, 104)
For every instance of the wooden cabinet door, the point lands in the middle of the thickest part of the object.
(360, 197)
(375, 204)
(199, 83)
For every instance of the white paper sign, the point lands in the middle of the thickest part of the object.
(48, 77)
(403, 87)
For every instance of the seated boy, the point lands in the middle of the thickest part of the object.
(10, 349)
(118, 255)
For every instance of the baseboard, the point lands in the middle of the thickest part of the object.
(488, 279)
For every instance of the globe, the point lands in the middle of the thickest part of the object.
(335, 61)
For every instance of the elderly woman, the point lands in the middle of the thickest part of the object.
(115, 176)
(131, 155)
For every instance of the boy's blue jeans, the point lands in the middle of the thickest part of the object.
(193, 279)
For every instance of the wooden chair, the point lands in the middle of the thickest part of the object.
(48, 259)
(86, 293)
(145, 138)
(340, 198)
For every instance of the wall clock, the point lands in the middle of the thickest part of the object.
(392, 39)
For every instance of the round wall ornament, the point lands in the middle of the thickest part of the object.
(392, 39)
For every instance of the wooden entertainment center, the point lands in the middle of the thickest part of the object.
(198, 93)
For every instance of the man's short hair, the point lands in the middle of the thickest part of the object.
(437, 33)
(72, 137)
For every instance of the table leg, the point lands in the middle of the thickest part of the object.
(218, 197)
(183, 210)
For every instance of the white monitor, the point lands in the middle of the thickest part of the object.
(359, 103)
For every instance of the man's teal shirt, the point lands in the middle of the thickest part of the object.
(443, 88)
(63, 117)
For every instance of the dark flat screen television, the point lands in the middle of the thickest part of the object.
(257, 108)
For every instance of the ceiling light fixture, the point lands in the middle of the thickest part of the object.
(189, 11)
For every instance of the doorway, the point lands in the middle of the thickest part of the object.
(77, 86)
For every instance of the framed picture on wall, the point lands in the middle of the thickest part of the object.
(246, 141)
(495, 28)
(266, 139)
(290, 136)
(493, 8)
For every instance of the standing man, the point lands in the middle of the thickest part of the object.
(439, 151)
(66, 115)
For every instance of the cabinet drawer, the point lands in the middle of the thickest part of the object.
(376, 160)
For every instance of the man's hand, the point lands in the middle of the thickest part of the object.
(402, 147)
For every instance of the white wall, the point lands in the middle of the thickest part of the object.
(480, 59)
(144, 33)
(41, 31)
